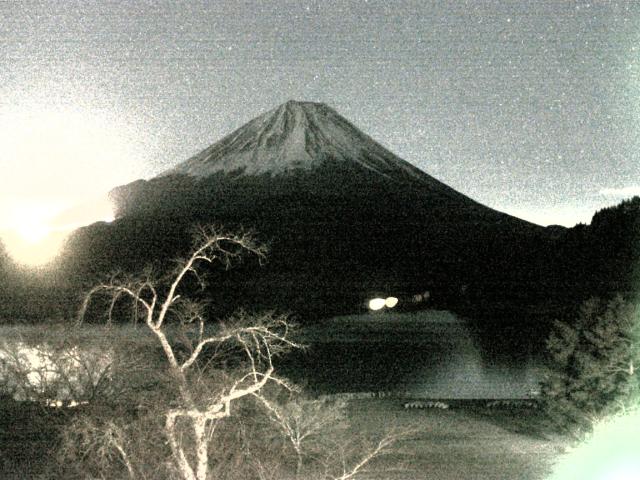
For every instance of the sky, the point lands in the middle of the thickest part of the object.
(529, 107)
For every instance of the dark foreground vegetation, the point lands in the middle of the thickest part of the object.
(464, 442)
(184, 401)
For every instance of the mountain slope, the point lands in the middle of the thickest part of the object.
(302, 148)
(296, 136)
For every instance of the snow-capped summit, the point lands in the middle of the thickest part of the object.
(292, 137)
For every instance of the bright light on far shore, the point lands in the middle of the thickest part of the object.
(376, 304)
(391, 302)
(380, 303)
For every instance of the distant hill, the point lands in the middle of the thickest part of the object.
(601, 258)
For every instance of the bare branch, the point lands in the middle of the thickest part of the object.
(381, 448)
(209, 249)
(115, 290)
(114, 300)
(198, 350)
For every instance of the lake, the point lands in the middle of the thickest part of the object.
(430, 354)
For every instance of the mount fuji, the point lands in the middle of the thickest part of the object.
(345, 219)
(297, 137)
(299, 144)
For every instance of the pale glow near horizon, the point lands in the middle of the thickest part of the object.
(566, 216)
(33, 235)
(33, 253)
(56, 162)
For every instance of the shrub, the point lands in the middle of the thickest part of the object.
(73, 365)
(592, 364)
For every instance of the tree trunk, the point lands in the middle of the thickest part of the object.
(200, 432)
(178, 454)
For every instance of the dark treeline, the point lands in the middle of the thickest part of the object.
(333, 246)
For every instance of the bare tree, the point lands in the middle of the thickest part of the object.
(258, 339)
(307, 425)
(352, 464)
(211, 370)
(320, 430)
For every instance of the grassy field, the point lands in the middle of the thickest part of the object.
(455, 444)
(28, 440)
(463, 443)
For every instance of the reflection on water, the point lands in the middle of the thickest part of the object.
(430, 357)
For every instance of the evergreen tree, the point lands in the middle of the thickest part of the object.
(592, 364)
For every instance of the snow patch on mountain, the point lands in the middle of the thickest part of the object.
(292, 137)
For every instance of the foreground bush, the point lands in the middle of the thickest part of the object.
(592, 365)
(61, 365)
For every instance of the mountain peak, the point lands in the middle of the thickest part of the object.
(293, 137)
(293, 104)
